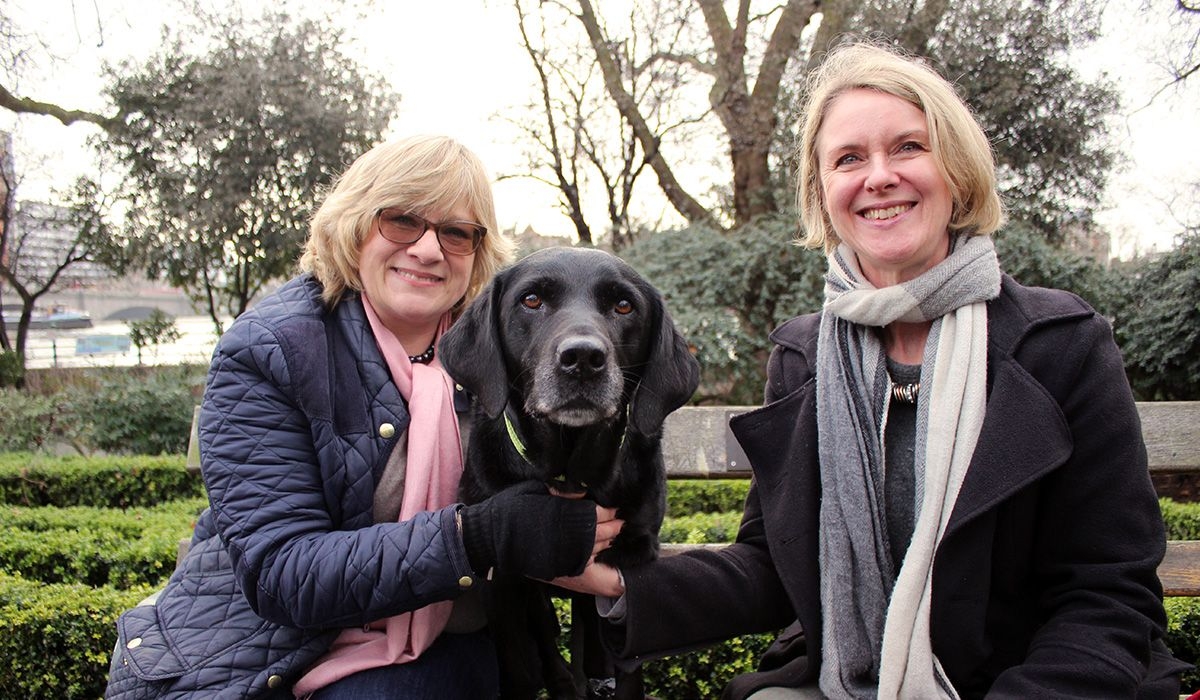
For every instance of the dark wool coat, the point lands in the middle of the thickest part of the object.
(1044, 584)
(298, 421)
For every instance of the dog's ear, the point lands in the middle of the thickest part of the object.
(669, 377)
(472, 353)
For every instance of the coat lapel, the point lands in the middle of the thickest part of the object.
(782, 448)
(1005, 460)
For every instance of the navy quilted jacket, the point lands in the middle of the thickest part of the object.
(298, 420)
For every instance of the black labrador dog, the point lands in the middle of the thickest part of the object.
(574, 363)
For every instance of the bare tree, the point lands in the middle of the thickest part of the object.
(557, 135)
(17, 47)
(28, 268)
(26, 105)
(1184, 43)
(578, 137)
(747, 113)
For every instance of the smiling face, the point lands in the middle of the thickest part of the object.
(412, 285)
(881, 185)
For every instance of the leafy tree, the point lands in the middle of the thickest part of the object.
(1034, 262)
(1158, 326)
(727, 294)
(157, 328)
(1046, 124)
(224, 147)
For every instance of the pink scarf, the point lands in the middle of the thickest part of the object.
(434, 467)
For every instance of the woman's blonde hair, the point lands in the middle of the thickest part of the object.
(960, 148)
(418, 174)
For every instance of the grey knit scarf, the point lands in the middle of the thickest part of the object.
(876, 620)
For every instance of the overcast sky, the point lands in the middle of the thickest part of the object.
(409, 43)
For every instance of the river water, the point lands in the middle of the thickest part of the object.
(106, 344)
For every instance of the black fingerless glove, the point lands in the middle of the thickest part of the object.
(525, 530)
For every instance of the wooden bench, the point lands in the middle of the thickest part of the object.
(698, 444)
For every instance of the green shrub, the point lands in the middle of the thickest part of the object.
(58, 638)
(1183, 637)
(704, 673)
(29, 421)
(132, 415)
(12, 369)
(95, 546)
(1159, 334)
(700, 528)
(1182, 520)
(687, 496)
(102, 482)
(697, 674)
(727, 291)
(144, 411)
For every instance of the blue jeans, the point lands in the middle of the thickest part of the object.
(456, 666)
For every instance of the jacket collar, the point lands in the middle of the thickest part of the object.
(1017, 404)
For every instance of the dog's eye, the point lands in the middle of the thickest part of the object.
(623, 307)
(532, 301)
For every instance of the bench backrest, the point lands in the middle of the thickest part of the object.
(697, 442)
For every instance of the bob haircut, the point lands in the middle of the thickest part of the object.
(960, 148)
(419, 174)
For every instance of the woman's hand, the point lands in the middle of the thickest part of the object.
(608, 526)
(525, 530)
(596, 579)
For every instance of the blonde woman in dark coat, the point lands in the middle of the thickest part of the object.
(950, 494)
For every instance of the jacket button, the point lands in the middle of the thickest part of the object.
(466, 582)
(274, 681)
(387, 430)
(134, 643)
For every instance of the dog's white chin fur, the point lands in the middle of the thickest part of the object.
(578, 418)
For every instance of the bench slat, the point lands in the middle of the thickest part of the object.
(697, 442)
(1180, 569)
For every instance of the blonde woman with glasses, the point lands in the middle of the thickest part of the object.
(332, 562)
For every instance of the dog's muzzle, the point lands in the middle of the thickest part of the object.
(578, 382)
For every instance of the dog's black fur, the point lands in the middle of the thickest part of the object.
(578, 350)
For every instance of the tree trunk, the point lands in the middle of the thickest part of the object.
(750, 118)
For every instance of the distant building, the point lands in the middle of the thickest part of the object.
(1082, 235)
(39, 237)
(529, 240)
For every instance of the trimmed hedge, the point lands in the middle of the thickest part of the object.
(126, 554)
(59, 638)
(104, 482)
(1181, 519)
(1183, 638)
(704, 673)
(701, 528)
(95, 546)
(689, 496)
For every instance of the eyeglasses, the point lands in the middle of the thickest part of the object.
(454, 237)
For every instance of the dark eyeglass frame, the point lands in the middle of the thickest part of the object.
(395, 232)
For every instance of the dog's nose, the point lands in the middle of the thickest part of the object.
(582, 356)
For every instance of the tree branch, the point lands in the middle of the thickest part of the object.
(25, 105)
(683, 202)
